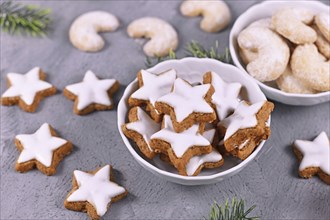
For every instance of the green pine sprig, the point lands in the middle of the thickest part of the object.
(153, 61)
(194, 49)
(16, 18)
(235, 211)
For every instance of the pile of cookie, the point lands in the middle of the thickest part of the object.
(192, 126)
(292, 48)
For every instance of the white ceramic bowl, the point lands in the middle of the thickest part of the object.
(192, 70)
(264, 10)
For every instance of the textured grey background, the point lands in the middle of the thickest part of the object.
(270, 181)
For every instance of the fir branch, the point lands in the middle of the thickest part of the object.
(235, 211)
(17, 18)
(150, 62)
(194, 49)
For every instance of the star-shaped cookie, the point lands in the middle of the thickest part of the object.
(225, 97)
(314, 157)
(210, 160)
(91, 94)
(152, 87)
(245, 116)
(27, 90)
(197, 163)
(180, 147)
(140, 128)
(187, 104)
(246, 128)
(43, 150)
(93, 192)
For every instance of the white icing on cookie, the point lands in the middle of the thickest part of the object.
(97, 189)
(243, 117)
(225, 97)
(91, 90)
(186, 99)
(242, 145)
(180, 142)
(315, 153)
(209, 134)
(26, 86)
(267, 124)
(155, 86)
(39, 146)
(196, 161)
(144, 126)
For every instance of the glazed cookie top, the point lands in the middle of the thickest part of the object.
(196, 161)
(225, 97)
(180, 142)
(186, 99)
(315, 153)
(155, 86)
(91, 90)
(97, 189)
(145, 126)
(26, 86)
(243, 117)
(39, 146)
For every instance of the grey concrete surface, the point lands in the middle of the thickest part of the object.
(270, 181)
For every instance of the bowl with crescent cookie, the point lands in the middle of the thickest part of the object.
(285, 47)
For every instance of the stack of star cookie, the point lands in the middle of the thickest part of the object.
(189, 125)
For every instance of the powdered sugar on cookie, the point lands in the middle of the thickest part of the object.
(84, 30)
(272, 58)
(163, 36)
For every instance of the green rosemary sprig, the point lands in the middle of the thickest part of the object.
(235, 211)
(194, 49)
(16, 18)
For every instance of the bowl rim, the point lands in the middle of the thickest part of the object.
(234, 55)
(141, 160)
